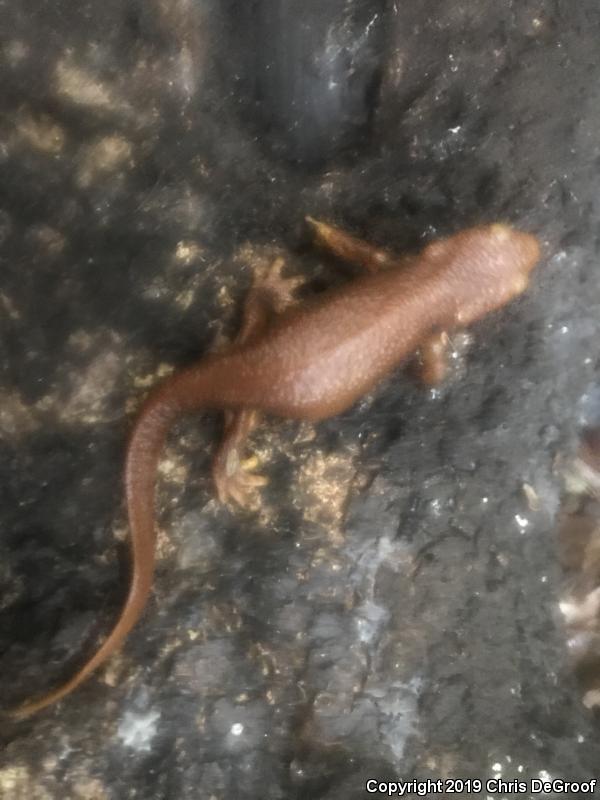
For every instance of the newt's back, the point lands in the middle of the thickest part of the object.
(318, 358)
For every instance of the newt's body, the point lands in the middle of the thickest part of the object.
(312, 361)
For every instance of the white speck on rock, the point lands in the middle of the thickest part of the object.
(138, 730)
(522, 522)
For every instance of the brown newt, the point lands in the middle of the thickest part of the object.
(309, 361)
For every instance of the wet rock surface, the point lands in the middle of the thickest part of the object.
(391, 608)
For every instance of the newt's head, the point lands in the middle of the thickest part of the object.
(487, 267)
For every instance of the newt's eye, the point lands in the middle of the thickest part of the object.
(520, 283)
(500, 232)
(435, 250)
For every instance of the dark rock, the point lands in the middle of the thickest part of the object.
(392, 610)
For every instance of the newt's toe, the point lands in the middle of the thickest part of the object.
(236, 480)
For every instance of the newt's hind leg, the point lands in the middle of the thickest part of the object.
(234, 476)
(349, 248)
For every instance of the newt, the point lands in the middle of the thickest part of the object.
(310, 361)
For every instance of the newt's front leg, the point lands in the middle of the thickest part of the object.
(431, 363)
(233, 476)
(349, 248)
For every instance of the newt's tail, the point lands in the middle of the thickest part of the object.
(143, 454)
